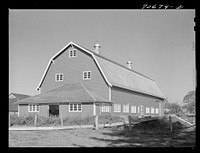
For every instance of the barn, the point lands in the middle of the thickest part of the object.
(81, 82)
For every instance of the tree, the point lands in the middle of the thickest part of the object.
(174, 107)
(190, 100)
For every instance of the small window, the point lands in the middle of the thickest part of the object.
(133, 109)
(86, 75)
(147, 110)
(105, 109)
(59, 77)
(33, 108)
(152, 110)
(126, 108)
(117, 108)
(156, 110)
(72, 53)
(75, 107)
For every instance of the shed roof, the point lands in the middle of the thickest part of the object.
(66, 93)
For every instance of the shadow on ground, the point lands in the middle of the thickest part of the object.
(149, 134)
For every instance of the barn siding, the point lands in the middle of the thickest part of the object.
(123, 97)
(23, 111)
(87, 110)
(73, 68)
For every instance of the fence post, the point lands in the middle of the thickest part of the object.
(61, 120)
(35, 121)
(170, 123)
(96, 122)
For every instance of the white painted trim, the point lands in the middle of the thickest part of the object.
(18, 110)
(35, 106)
(101, 70)
(110, 93)
(94, 109)
(160, 109)
(87, 75)
(73, 107)
(71, 43)
(59, 77)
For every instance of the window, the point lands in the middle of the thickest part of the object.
(152, 110)
(72, 53)
(86, 75)
(75, 107)
(138, 109)
(59, 77)
(147, 110)
(126, 108)
(156, 110)
(33, 108)
(117, 108)
(105, 108)
(133, 109)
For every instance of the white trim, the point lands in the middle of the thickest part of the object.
(71, 43)
(35, 107)
(73, 107)
(18, 110)
(159, 108)
(59, 77)
(87, 75)
(110, 93)
(101, 70)
(117, 108)
(94, 109)
(73, 50)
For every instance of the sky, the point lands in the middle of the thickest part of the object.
(160, 44)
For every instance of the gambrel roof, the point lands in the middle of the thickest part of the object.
(74, 92)
(116, 74)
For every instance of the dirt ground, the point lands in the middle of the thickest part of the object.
(111, 137)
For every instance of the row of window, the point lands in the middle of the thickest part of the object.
(117, 108)
(60, 76)
(76, 107)
(73, 107)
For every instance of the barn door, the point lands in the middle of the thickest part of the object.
(142, 110)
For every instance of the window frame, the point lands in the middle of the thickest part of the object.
(35, 106)
(78, 107)
(147, 110)
(105, 109)
(152, 110)
(72, 53)
(58, 76)
(126, 108)
(87, 72)
(133, 109)
(157, 111)
(117, 108)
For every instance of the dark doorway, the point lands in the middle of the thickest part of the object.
(53, 110)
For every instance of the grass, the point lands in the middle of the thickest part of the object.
(56, 121)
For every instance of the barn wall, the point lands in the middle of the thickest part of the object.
(73, 68)
(87, 110)
(124, 97)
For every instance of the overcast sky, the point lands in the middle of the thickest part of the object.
(160, 43)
